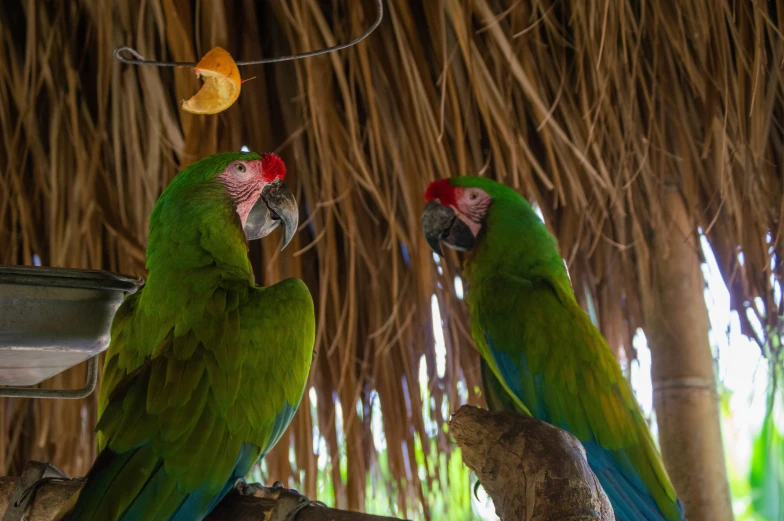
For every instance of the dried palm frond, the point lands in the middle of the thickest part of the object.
(588, 108)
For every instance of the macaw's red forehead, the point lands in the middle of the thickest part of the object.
(442, 190)
(272, 167)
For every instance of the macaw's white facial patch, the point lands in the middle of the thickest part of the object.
(471, 205)
(244, 181)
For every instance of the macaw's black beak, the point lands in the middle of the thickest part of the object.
(276, 206)
(441, 224)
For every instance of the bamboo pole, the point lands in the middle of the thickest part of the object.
(684, 387)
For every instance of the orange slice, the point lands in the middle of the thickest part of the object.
(221, 83)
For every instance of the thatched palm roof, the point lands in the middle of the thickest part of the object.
(593, 110)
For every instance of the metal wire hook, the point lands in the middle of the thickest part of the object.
(138, 59)
(34, 487)
(301, 505)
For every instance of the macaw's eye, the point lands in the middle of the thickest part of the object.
(241, 168)
(473, 195)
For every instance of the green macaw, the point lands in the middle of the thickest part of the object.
(541, 354)
(204, 370)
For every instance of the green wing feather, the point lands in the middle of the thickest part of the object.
(572, 378)
(496, 395)
(216, 380)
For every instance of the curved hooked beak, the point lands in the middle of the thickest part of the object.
(276, 206)
(441, 224)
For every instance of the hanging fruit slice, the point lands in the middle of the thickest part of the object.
(221, 83)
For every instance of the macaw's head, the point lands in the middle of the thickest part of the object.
(457, 210)
(247, 183)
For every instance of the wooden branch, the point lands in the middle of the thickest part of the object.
(532, 470)
(235, 507)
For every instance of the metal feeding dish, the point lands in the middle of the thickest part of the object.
(52, 319)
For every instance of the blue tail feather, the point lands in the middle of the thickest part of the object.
(102, 477)
(196, 505)
(158, 498)
(624, 488)
(245, 461)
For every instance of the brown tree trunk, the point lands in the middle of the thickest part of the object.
(684, 387)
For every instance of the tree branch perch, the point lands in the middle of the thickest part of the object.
(532, 470)
(235, 507)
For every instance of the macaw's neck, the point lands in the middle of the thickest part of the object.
(515, 242)
(194, 246)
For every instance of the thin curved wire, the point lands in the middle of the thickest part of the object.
(138, 59)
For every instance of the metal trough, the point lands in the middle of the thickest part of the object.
(52, 319)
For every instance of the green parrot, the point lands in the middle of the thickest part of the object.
(204, 370)
(541, 354)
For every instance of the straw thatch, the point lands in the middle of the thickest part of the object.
(589, 108)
